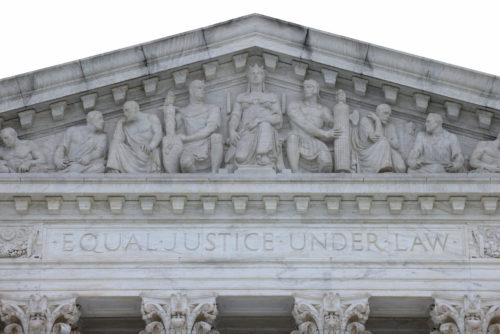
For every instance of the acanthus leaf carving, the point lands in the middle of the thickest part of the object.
(40, 315)
(331, 315)
(465, 315)
(179, 314)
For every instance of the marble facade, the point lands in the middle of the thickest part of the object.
(254, 176)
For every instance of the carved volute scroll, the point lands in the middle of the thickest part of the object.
(465, 315)
(331, 315)
(17, 241)
(179, 314)
(39, 315)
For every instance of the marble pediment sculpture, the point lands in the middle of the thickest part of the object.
(248, 177)
(248, 107)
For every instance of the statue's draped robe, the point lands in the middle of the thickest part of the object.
(77, 142)
(436, 151)
(194, 122)
(261, 145)
(379, 156)
(126, 154)
(309, 146)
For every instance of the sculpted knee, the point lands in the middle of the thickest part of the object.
(186, 162)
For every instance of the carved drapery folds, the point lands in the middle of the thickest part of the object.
(17, 241)
(331, 315)
(39, 315)
(179, 314)
(465, 315)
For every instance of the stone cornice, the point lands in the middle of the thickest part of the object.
(295, 41)
(467, 195)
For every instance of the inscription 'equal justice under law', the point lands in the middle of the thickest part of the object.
(237, 242)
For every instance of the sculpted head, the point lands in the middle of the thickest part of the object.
(341, 97)
(197, 90)
(9, 136)
(131, 110)
(383, 112)
(95, 120)
(433, 123)
(256, 74)
(311, 88)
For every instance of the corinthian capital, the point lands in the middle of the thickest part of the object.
(179, 314)
(39, 315)
(465, 315)
(331, 314)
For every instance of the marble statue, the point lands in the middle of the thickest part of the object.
(19, 156)
(342, 144)
(435, 150)
(253, 125)
(486, 157)
(376, 143)
(135, 144)
(408, 135)
(304, 144)
(194, 140)
(83, 148)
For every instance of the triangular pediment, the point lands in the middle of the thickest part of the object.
(42, 104)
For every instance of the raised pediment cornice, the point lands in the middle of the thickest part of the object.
(293, 41)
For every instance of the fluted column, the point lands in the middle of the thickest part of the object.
(179, 314)
(331, 314)
(40, 315)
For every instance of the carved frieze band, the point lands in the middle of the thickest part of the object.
(40, 315)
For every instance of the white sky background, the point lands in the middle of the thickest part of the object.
(41, 33)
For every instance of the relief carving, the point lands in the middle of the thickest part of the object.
(193, 140)
(308, 119)
(135, 144)
(466, 315)
(39, 315)
(435, 150)
(83, 148)
(487, 239)
(486, 157)
(331, 315)
(19, 156)
(17, 241)
(179, 314)
(253, 126)
(376, 143)
(342, 117)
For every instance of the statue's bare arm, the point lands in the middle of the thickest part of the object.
(297, 118)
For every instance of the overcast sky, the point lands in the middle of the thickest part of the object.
(41, 33)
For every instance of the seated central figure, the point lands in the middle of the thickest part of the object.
(253, 125)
